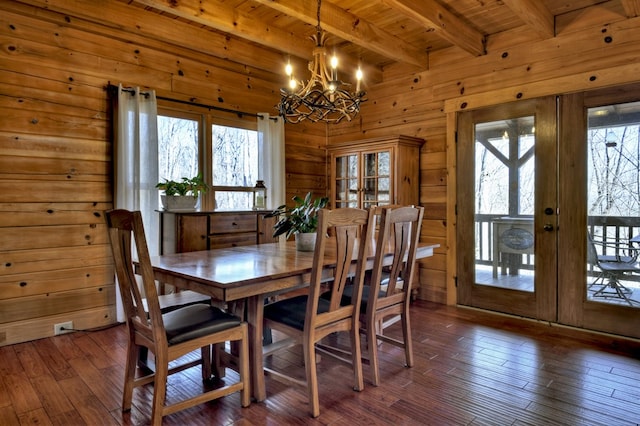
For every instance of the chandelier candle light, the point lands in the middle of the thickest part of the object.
(324, 97)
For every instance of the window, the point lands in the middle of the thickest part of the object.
(227, 155)
(234, 166)
(177, 147)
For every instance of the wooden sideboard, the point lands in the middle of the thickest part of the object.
(193, 231)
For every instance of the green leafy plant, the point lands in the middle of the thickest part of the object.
(301, 218)
(187, 186)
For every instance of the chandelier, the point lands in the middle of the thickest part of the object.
(323, 97)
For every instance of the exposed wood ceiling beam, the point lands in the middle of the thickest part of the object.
(631, 8)
(217, 15)
(347, 26)
(535, 14)
(223, 18)
(432, 14)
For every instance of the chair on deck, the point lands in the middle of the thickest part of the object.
(309, 318)
(171, 335)
(387, 297)
(613, 269)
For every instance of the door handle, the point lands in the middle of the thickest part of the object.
(548, 227)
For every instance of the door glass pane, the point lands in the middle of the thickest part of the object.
(613, 204)
(504, 188)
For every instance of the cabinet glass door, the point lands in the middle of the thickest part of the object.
(376, 179)
(346, 181)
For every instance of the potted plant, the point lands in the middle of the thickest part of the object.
(301, 220)
(183, 194)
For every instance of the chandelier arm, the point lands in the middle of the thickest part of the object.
(323, 97)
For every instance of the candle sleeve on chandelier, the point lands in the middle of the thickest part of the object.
(334, 68)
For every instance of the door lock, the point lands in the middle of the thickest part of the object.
(548, 227)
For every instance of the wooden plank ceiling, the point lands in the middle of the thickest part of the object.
(374, 33)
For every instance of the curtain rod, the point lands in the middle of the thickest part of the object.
(210, 107)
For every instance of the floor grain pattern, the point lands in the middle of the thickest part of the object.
(471, 368)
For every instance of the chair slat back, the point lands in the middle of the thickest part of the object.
(126, 227)
(400, 228)
(350, 229)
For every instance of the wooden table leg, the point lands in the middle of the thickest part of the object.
(255, 312)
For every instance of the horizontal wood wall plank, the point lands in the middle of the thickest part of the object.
(67, 168)
(24, 308)
(29, 191)
(35, 283)
(35, 237)
(37, 328)
(39, 214)
(54, 147)
(15, 262)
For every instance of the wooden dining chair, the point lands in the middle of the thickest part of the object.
(171, 335)
(309, 318)
(387, 297)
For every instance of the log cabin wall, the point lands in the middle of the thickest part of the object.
(593, 47)
(55, 142)
(55, 139)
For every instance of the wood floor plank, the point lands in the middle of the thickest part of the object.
(54, 360)
(89, 407)
(105, 390)
(21, 393)
(53, 399)
(8, 416)
(30, 359)
(36, 417)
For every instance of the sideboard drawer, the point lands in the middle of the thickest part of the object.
(232, 240)
(229, 223)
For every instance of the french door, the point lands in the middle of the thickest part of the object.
(507, 206)
(599, 277)
(539, 182)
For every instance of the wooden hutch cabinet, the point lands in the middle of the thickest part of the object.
(373, 172)
(192, 231)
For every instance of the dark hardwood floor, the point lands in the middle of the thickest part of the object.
(472, 368)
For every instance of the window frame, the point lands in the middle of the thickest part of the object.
(206, 118)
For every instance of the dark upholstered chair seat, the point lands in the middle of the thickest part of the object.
(291, 312)
(348, 291)
(193, 321)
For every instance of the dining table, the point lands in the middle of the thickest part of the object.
(249, 274)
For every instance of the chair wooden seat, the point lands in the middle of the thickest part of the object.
(170, 335)
(309, 318)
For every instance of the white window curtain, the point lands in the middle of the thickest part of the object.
(271, 146)
(136, 162)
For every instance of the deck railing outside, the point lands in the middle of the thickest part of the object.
(602, 228)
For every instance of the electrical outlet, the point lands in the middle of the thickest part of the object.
(62, 328)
